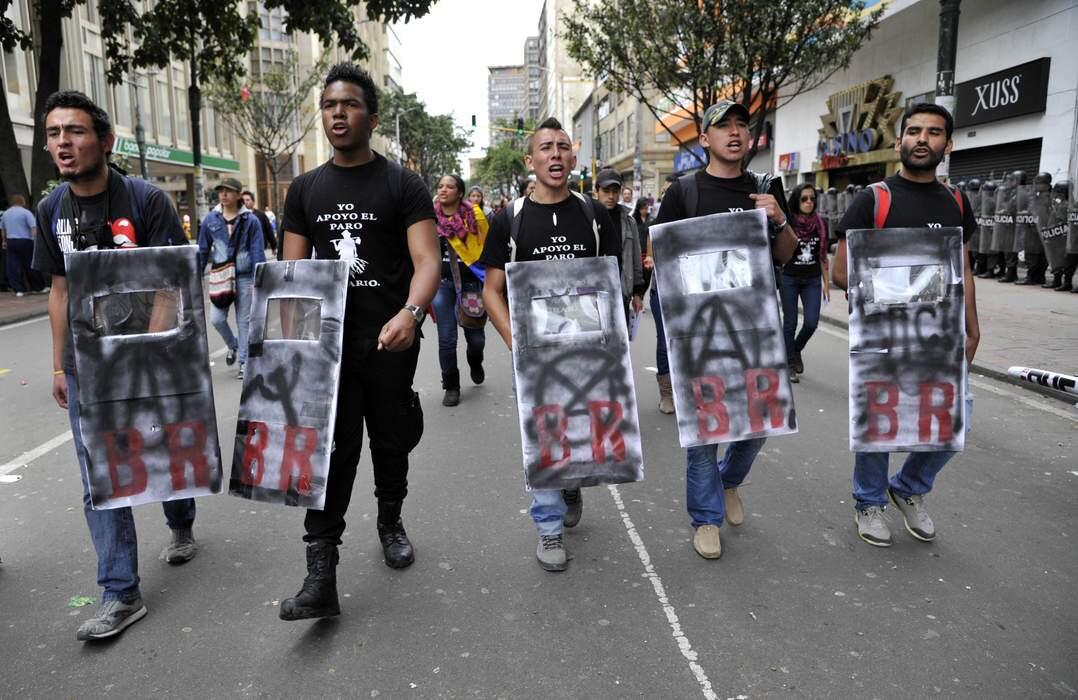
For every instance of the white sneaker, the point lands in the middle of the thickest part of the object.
(918, 523)
(20, 294)
(872, 526)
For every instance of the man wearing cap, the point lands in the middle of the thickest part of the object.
(607, 188)
(231, 234)
(725, 186)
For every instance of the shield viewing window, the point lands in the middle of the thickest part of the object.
(907, 284)
(715, 271)
(567, 316)
(293, 318)
(137, 313)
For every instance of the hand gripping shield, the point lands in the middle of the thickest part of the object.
(284, 432)
(728, 361)
(907, 340)
(145, 394)
(574, 381)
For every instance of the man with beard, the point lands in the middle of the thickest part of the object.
(551, 211)
(97, 208)
(362, 208)
(918, 200)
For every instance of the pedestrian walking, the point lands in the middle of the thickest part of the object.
(269, 237)
(551, 211)
(917, 200)
(724, 186)
(93, 208)
(230, 241)
(462, 230)
(805, 277)
(19, 230)
(641, 217)
(608, 188)
(378, 216)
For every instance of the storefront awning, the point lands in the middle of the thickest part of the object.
(174, 156)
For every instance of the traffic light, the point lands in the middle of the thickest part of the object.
(473, 121)
(520, 126)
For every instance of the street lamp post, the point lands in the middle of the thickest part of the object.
(140, 131)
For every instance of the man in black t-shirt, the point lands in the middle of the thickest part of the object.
(724, 186)
(94, 209)
(917, 201)
(380, 218)
(553, 225)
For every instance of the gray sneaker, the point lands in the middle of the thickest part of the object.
(182, 548)
(114, 617)
(575, 502)
(918, 523)
(872, 526)
(551, 553)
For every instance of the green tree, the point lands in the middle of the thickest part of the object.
(680, 56)
(272, 113)
(432, 144)
(502, 166)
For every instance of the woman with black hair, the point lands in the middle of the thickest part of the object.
(805, 277)
(475, 196)
(462, 229)
(641, 212)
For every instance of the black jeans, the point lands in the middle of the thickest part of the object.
(376, 388)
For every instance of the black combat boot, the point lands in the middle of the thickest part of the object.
(451, 384)
(396, 547)
(981, 264)
(475, 363)
(1010, 276)
(318, 596)
(1068, 281)
(1057, 279)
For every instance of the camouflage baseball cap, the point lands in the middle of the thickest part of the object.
(717, 111)
(229, 183)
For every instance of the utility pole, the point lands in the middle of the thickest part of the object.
(945, 62)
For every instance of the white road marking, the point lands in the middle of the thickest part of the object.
(20, 324)
(660, 592)
(1021, 396)
(27, 457)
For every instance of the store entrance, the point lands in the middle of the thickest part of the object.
(857, 175)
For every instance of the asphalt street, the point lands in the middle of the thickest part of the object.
(798, 606)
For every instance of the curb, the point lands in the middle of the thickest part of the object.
(988, 372)
(21, 316)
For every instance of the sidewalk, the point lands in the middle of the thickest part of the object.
(14, 309)
(1023, 326)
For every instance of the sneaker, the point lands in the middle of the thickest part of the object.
(735, 513)
(794, 377)
(706, 542)
(575, 501)
(551, 553)
(872, 526)
(230, 357)
(917, 521)
(183, 547)
(20, 294)
(113, 617)
(239, 373)
(799, 366)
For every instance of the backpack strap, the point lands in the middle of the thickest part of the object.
(515, 210)
(137, 193)
(881, 203)
(59, 193)
(589, 214)
(690, 194)
(957, 194)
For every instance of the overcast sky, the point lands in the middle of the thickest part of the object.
(444, 56)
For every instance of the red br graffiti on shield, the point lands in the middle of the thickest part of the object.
(552, 427)
(186, 444)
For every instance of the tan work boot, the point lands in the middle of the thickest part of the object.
(735, 512)
(706, 542)
(666, 394)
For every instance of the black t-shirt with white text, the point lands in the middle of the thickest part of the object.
(717, 195)
(350, 214)
(551, 232)
(913, 205)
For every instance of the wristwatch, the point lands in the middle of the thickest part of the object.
(417, 313)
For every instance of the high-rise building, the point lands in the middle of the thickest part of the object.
(535, 77)
(564, 83)
(506, 98)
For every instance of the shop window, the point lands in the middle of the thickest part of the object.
(164, 113)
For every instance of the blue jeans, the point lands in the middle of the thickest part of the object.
(705, 479)
(445, 302)
(219, 317)
(113, 530)
(810, 291)
(548, 511)
(662, 360)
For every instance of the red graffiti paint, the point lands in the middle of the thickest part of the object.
(298, 458)
(254, 458)
(941, 411)
(130, 457)
(193, 453)
(763, 399)
(882, 409)
(710, 410)
(549, 433)
(604, 430)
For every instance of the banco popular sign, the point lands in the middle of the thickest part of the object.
(859, 119)
(1007, 93)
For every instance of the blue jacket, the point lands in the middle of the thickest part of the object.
(246, 243)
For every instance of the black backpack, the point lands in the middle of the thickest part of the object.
(517, 207)
(690, 189)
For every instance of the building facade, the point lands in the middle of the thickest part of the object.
(535, 78)
(507, 95)
(564, 83)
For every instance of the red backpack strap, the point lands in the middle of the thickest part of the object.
(957, 194)
(881, 195)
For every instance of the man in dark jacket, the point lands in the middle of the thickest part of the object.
(267, 228)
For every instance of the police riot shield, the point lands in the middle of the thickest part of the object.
(973, 194)
(1072, 214)
(284, 431)
(986, 220)
(145, 405)
(907, 340)
(1003, 231)
(1051, 209)
(728, 361)
(574, 379)
(1026, 238)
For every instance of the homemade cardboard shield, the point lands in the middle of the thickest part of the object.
(145, 394)
(574, 381)
(907, 340)
(284, 431)
(728, 361)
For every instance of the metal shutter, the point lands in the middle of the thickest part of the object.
(992, 162)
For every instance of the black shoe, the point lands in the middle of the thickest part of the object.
(396, 547)
(794, 377)
(451, 384)
(798, 365)
(318, 596)
(1029, 280)
(475, 364)
(451, 398)
(1011, 276)
(1057, 280)
(230, 358)
(575, 502)
(1067, 286)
